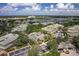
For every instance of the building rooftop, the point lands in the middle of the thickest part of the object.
(36, 36)
(6, 39)
(21, 27)
(64, 45)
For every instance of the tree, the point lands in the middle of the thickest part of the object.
(33, 51)
(6, 26)
(34, 28)
(11, 23)
(3, 27)
(31, 42)
(76, 42)
(22, 40)
(48, 37)
(66, 36)
(53, 47)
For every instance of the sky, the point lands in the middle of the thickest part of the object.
(35, 8)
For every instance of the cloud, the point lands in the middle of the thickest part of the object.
(71, 6)
(65, 6)
(36, 7)
(46, 9)
(60, 5)
(9, 8)
(27, 8)
(19, 4)
(14, 8)
(52, 6)
(33, 7)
